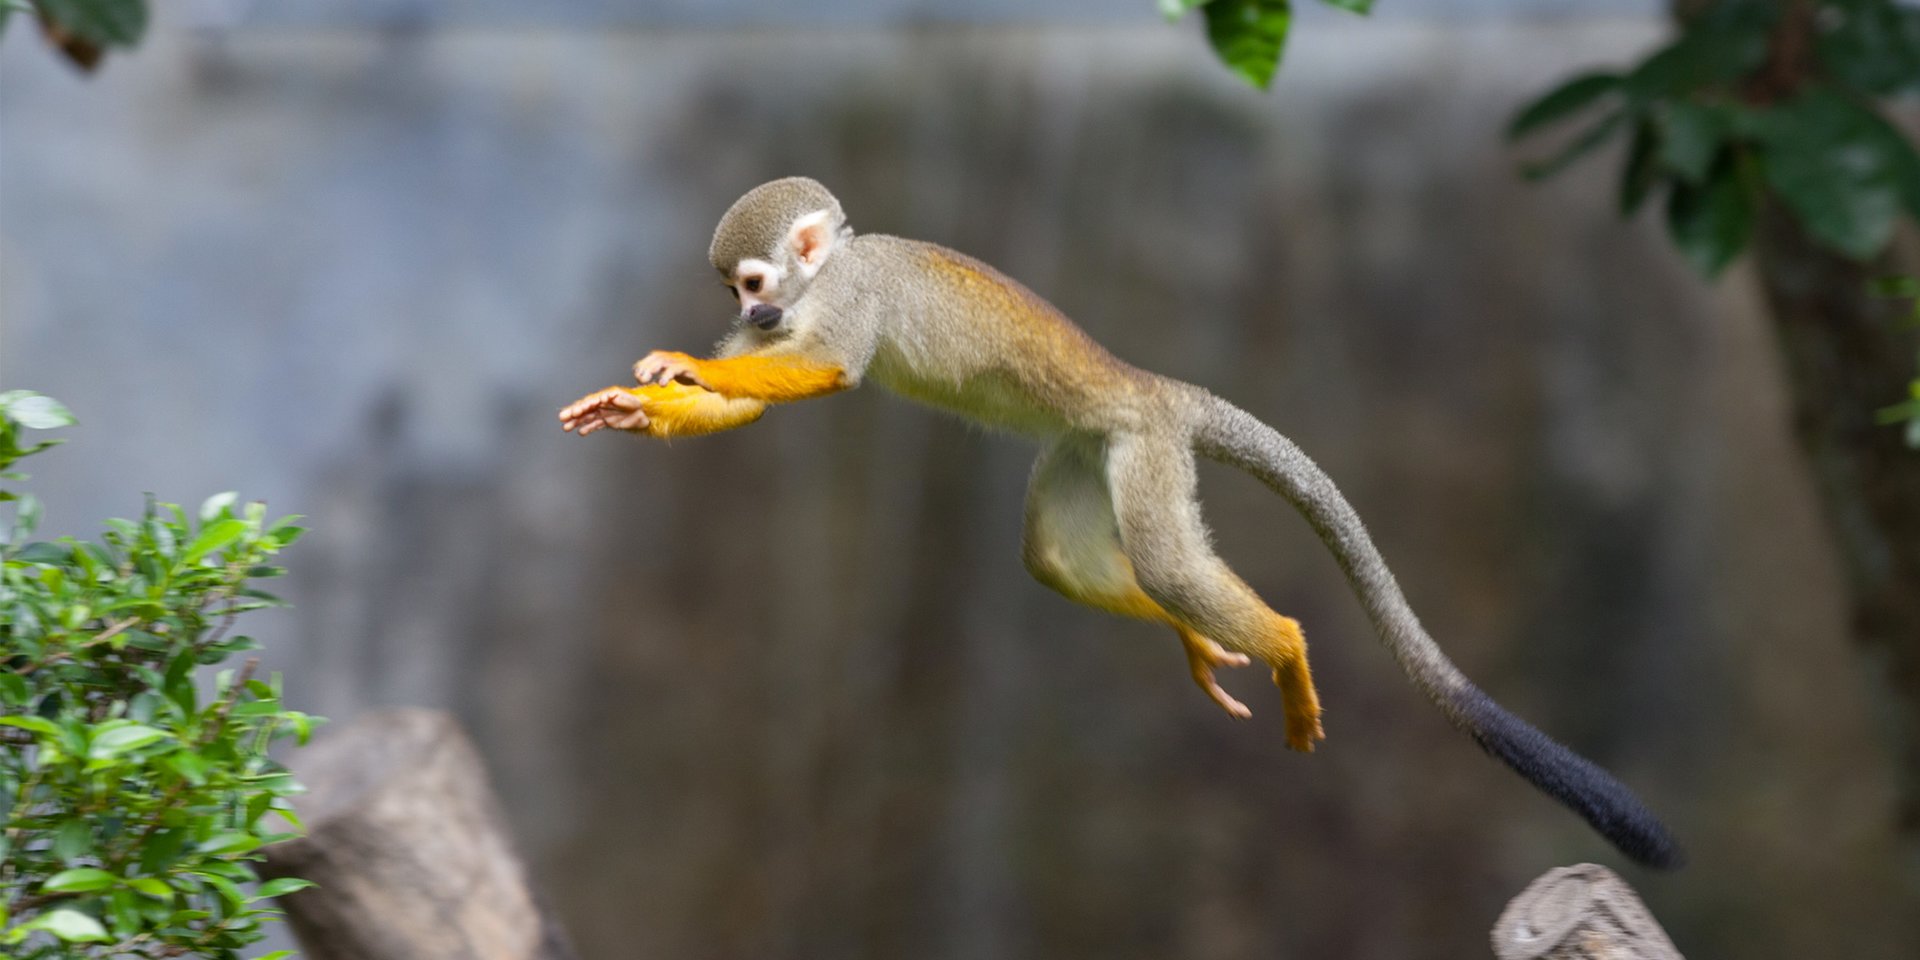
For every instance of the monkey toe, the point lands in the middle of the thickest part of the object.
(1202, 650)
(1235, 709)
(1203, 657)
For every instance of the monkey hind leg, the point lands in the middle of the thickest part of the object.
(1072, 545)
(1153, 483)
(1295, 681)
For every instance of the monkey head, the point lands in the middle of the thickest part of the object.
(772, 242)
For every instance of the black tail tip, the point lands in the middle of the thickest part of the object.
(1593, 793)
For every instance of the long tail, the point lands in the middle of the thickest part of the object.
(1233, 436)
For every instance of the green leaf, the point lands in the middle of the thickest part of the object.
(257, 806)
(73, 840)
(1361, 7)
(282, 887)
(1561, 102)
(34, 411)
(1841, 169)
(39, 725)
(1711, 222)
(276, 955)
(1250, 35)
(232, 842)
(191, 766)
(227, 888)
(69, 925)
(1691, 137)
(124, 908)
(1871, 45)
(47, 553)
(1579, 147)
(13, 689)
(213, 537)
(162, 850)
(119, 740)
(151, 887)
(106, 23)
(285, 532)
(79, 880)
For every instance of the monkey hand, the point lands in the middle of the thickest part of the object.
(618, 407)
(671, 409)
(668, 366)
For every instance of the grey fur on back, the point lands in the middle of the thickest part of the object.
(757, 223)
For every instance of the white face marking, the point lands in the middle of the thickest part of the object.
(748, 274)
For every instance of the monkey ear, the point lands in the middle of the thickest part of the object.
(811, 239)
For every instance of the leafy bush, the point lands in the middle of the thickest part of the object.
(133, 798)
(1734, 114)
(1718, 121)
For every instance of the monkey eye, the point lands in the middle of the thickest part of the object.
(752, 284)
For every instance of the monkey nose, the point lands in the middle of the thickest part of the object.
(766, 316)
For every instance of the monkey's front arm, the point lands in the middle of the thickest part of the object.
(685, 396)
(660, 410)
(768, 377)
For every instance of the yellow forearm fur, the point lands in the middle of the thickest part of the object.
(775, 379)
(681, 410)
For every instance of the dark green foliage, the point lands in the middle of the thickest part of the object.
(104, 23)
(1724, 126)
(1251, 35)
(1873, 46)
(1710, 216)
(134, 797)
(84, 29)
(1842, 169)
(1708, 125)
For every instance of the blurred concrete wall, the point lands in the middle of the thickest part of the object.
(787, 693)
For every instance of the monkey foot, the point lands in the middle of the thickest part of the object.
(1303, 708)
(1203, 657)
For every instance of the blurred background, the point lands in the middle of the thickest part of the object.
(787, 692)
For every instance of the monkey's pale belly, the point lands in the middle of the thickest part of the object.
(992, 399)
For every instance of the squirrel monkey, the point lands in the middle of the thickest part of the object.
(1111, 515)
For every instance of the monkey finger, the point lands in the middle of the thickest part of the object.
(574, 410)
(648, 368)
